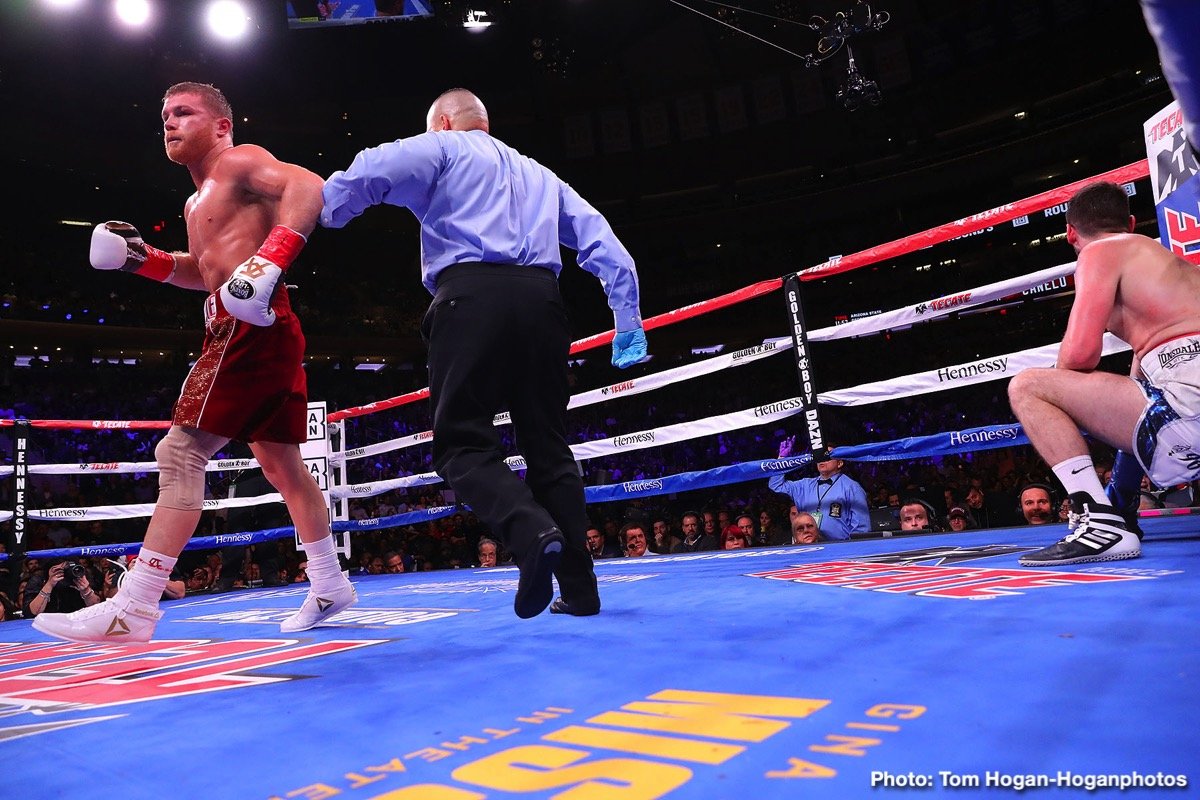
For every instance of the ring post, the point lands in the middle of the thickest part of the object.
(315, 453)
(14, 543)
(809, 411)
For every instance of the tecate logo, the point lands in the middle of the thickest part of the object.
(943, 303)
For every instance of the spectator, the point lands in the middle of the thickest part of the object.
(199, 580)
(1036, 504)
(63, 588)
(745, 525)
(916, 515)
(1064, 510)
(1179, 496)
(734, 539)
(958, 520)
(804, 529)
(837, 502)
(599, 546)
(633, 540)
(489, 553)
(664, 539)
(770, 530)
(980, 510)
(693, 539)
(393, 562)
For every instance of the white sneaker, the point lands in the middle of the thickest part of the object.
(319, 607)
(118, 620)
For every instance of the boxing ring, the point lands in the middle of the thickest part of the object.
(927, 662)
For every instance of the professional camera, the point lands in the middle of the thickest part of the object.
(74, 570)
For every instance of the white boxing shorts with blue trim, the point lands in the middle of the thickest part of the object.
(1166, 440)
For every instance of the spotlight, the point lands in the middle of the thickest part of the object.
(227, 19)
(134, 13)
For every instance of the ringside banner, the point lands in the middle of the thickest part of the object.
(1175, 176)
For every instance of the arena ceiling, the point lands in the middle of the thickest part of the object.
(647, 83)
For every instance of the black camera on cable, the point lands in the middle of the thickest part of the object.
(74, 570)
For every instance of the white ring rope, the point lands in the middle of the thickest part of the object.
(940, 306)
(897, 318)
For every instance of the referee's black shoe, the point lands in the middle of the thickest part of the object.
(535, 588)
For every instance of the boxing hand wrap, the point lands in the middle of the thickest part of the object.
(247, 293)
(118, 245)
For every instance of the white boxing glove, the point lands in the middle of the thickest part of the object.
(248, 292)
(118, 245)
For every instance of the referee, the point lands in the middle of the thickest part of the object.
(492, 221)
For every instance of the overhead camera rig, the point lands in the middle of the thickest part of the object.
(834, 34)
(857, 90)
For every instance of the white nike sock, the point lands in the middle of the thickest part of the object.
(323, 568)
(1078, 474)
(148, 578)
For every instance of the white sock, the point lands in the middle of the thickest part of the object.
(323, 567)
(148, 577)
(1078, 474)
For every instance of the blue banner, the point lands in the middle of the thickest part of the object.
(939, 444)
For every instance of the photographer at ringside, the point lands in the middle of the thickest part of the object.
(63, 588)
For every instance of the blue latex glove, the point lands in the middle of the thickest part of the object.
(629, 347)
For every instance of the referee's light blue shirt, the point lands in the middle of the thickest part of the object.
(480, 200)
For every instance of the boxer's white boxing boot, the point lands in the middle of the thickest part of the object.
(119, 620)
(319, 606)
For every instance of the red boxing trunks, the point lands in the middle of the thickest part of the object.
(249, 382)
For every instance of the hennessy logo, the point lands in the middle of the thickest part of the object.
(255, 268)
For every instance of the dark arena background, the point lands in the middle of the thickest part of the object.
(848, 223)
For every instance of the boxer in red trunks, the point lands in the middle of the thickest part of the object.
(246, 222)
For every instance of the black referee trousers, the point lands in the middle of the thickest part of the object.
(498, 340)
